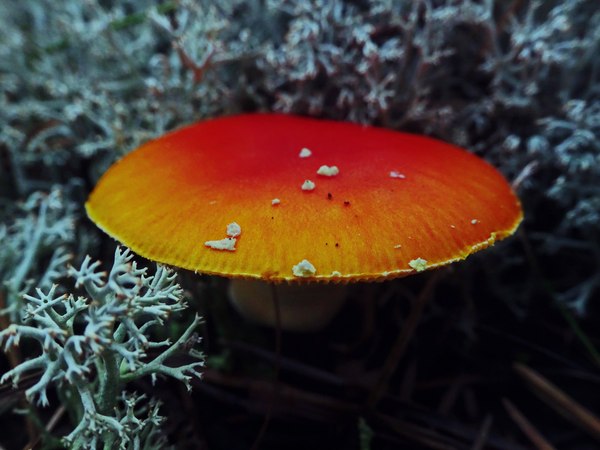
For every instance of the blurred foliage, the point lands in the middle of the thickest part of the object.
(517, 82)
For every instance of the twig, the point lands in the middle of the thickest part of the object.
(14, 359)
(549, 289)
(197, 70)
(296, 399)
(525, 173)
(267, 420)
(13, 354)
(450, 395)
(191, 412)
(423, 436)
(560, 401)
(397, 350)
(484, 432)
(509, 13)
(290, 365)
(58, 414)
(583, 338)
(526, 427)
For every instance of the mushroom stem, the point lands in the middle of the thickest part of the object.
(304, 307)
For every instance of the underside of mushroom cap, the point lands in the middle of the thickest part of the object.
(395, 204)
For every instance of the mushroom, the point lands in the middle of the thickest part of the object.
(173, 194)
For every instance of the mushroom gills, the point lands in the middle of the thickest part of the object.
(304, 307)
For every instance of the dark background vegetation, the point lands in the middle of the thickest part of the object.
(507, 338)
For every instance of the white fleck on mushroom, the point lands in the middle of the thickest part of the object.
(222, 244)
(398, 246)
(308, 185)
(328, 171)
(275, 202)
(335, 273)
(474, 221)
(418, 264)
(396, 174)
(233, 229)
(304, 269)
(305, 153)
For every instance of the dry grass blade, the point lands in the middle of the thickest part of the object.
(397, 350)
(267, 419)
(290, 365)
(415, 433)
(560, 401)
(484, 432)
(13, 354)
(14, 359)
(526, 427)
(58, 414)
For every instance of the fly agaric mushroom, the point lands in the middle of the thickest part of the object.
(173, 194)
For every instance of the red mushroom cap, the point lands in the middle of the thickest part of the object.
(395, 204)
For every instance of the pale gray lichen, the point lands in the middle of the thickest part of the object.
(98, 342)
(82, 83)
(42, 229)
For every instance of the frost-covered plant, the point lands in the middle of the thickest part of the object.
(81, 83)
(573, 140)
(43, 229)
(516, 82)
(107, 76)
(374, 62)
(93, 345)
(141, 422)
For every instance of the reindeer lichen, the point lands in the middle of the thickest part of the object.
(94, 344)
(42, 228)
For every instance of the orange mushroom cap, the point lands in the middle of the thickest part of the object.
(398, 203)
